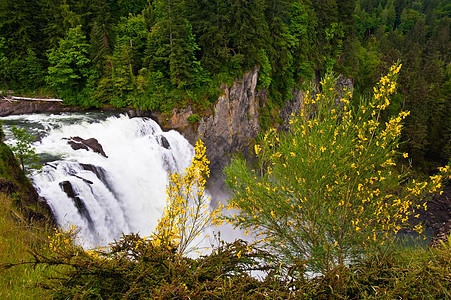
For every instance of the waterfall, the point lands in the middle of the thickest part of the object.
(105, 196)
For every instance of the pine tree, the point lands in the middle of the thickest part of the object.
(20, 25)
(69, 64)
(209, 20)
(173, 47)
(59, 18)
(248, 31)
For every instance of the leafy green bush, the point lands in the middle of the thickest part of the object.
(194, 118)
(135, 268)
(23, 149)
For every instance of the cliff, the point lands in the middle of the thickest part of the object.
(233, 122)
(227, 128)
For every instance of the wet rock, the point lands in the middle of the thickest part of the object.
(67, 188)
(164, 142)
(9, 107)
(78, 143)
(98, 171)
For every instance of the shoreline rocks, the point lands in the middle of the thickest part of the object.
(21, 107)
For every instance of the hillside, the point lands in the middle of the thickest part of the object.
(24, 225)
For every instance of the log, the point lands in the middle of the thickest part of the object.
(35, 99)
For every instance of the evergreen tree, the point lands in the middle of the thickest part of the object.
(31, 73)
(278, 50)
(69, 65)
(248, 31)
(59, 19)
(3, 62)
(209, 20)
(173, 47)
(303, 29)
(100, 44)
(20, 25)
(330, 33)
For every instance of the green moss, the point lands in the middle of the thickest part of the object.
(194, 118)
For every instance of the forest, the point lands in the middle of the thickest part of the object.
(161, 54)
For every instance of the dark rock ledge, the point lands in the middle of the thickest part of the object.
(21, 107)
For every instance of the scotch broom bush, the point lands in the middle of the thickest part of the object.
(328, 191)
(187, 213)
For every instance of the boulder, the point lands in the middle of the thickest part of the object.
(78, 143)
(164, 142)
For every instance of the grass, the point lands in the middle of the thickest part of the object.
(17, 237)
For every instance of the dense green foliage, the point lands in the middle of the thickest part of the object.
(418, 33)
(161, 54)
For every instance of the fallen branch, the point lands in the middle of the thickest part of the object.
(36, 99)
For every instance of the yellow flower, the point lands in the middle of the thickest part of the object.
(257, 149)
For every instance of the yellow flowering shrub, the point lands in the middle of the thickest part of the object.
(187, 213)
(328, 190)
(62, 239)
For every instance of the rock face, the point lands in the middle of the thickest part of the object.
(233, 124)
(295, 105)
(226, 129)
(292, 106)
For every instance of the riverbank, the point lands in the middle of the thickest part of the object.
(10, 106)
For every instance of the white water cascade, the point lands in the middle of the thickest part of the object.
(104, 196)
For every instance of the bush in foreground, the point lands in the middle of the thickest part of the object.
(328, 191)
